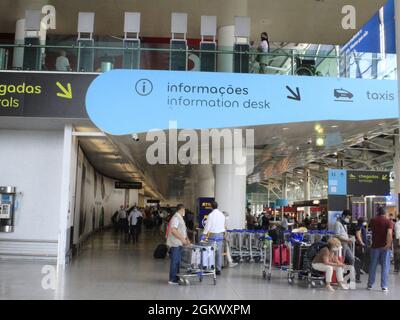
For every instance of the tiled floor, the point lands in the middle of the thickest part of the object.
(110, 269)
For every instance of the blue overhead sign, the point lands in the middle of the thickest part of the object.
(337, 182)
(133, 101)
(378, 35)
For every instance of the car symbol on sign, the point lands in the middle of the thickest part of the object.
(342, 93)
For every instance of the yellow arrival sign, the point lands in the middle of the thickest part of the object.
(66, 92)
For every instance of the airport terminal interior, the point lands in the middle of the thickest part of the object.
(279, 117)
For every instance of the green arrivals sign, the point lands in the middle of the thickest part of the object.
(41, 94)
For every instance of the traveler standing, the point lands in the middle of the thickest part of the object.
(215, 229)
(307, 221)
(396, 246)
(342, 234)
(132, 220)
(382, 237)
(265, 221)
(123, 222)
(62, 62)
(263, 49)
(176, 238)
(285, 222)
(139, 222)
(361, 243)
(250, 220)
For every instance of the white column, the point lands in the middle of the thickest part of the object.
(230, 193)
(307, 188)
(65, 205)
(396, 169)
(226, 40)
(397, 138)
(205, 181)
(18, 56)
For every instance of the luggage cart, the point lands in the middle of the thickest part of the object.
(267, 258)
(198, 261)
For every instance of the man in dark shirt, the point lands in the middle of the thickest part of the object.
(265, 221)
(382, 237)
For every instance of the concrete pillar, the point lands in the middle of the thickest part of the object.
(226, 41)
(205, 181)
(18, 56)
(397, 143)
(230, 193)
(307, 188)
(396, 169)
(20, 34)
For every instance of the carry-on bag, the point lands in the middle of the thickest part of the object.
(160, 252)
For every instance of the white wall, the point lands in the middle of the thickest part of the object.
(31, 161)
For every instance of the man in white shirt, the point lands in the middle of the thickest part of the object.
(132, 221)
(396, 245)
(215, 229)
(62, 62)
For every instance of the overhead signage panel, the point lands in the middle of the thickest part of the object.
(128, 185)
(364, 183)
(337, 182)
(40, 94)
(133, 101)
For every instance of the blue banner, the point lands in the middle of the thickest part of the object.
(378, 35)
(133, 101)
(337, 182)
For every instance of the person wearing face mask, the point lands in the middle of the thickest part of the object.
(361, 243)
(327, 261)
(341, 233)
(263, 49)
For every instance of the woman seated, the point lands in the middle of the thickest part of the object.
(327, 261)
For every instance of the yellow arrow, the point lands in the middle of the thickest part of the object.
(66, 93)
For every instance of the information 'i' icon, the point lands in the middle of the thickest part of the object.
(143, 87)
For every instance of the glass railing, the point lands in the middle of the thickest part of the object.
(87, 56)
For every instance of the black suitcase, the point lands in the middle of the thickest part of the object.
(299, 253)
(160, 252)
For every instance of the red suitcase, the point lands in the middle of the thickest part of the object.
(280, 255)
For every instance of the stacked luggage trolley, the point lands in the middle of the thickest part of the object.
(291, 256)
(198, 261)
(246, 245)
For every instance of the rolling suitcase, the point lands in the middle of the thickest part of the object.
(280, 255)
